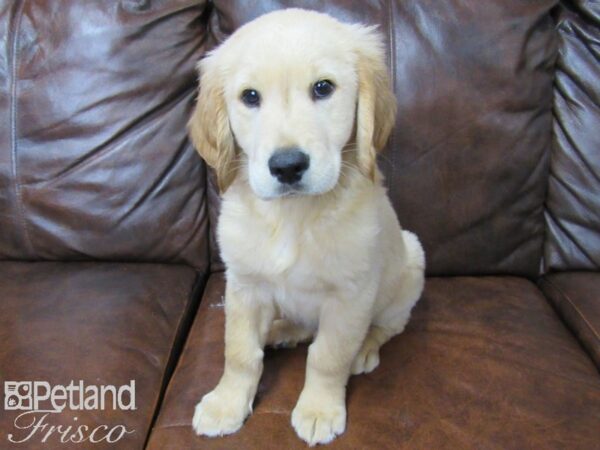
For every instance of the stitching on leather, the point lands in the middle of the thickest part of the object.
(545, 261)
(392, 60)
(14, 54)
(392, 43)
(577, 310)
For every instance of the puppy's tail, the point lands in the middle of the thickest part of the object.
(415, 256)
(406, 287)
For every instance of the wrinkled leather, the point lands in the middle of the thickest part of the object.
(96, 322)
(94, 158)
(467, 163)
(95, 164)
(573, 205)
(576, 297)
(484, 363)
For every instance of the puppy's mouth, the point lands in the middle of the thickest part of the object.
(287, 191)
(291, 190)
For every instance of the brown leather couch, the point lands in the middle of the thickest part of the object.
(110, 272)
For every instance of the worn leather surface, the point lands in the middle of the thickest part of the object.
(484, 363)
(467, 162)
(573, 205)
(100, 323)
(94, 158)
(95, 164)
(576, 297)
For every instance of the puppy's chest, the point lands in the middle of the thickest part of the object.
(293, 255)
(293, 265)
(297, 261)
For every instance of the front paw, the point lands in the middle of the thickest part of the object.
(221, 412)
(318, 419)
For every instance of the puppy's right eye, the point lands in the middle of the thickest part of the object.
(251, 98)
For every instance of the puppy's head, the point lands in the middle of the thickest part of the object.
(292, 99)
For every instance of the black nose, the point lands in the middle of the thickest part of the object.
(288, 165)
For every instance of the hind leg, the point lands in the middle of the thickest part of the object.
(386, 325)
(284, 333)
(367, 358)
(399, 294)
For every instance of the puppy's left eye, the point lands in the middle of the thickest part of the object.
(251, 98)
(322, 89)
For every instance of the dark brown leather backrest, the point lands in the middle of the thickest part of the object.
(573, 205)
(467, 163)
(94, 158)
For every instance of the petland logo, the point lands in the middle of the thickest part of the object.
(39, 401)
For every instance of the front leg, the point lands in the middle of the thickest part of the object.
(320, 414)
(247, 321)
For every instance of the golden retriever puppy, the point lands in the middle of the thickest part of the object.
(291, 112)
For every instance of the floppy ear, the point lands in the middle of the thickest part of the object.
(209, 126)
(376, 110)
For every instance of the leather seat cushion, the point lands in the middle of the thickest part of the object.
(104, 324)
(484, 363)
(575, 297)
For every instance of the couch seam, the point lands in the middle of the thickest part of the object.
(575, 308)
(543, 263)
(14, 66)
(212, 12)
(552, 246)
(198, 287)
(207, 280)
(392, 61)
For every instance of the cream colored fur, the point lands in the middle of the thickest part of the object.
(333, 263)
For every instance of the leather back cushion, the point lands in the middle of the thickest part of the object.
(573, 206)
(467, 163)
(94, 159)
